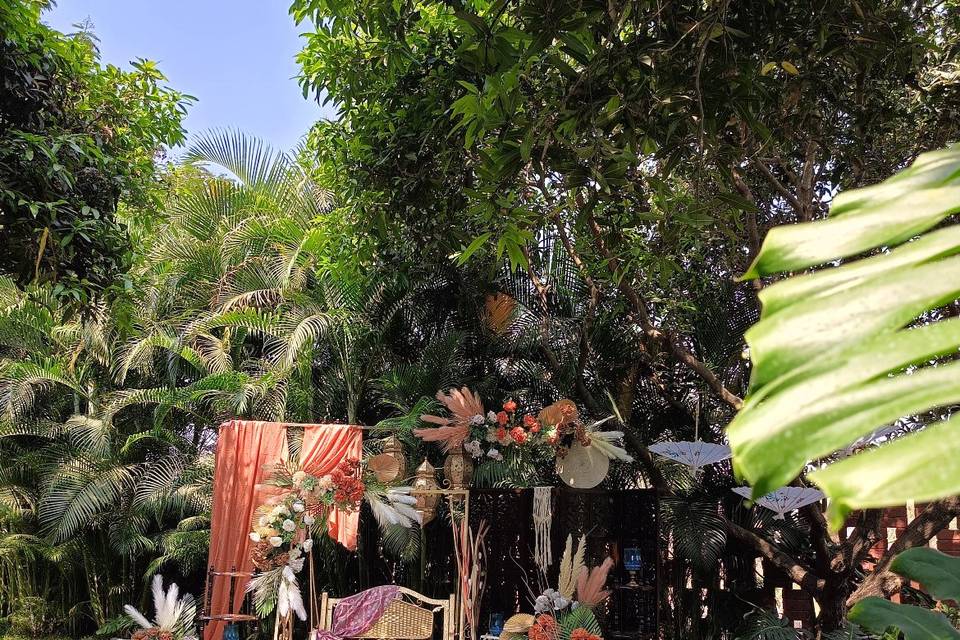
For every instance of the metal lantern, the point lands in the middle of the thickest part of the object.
(424, 490)
(458, 469)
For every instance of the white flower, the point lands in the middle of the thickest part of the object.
(276, 541)
(309, 520)
(542, 604)
(325, 483)
(288, 525)
(298, 507)
(477, 420)
(491, 435)
(298, 478)
(294, 553)
(491, 417)
(307, 545)
(496, 455)
(264, 521)
(296, 565)
(473, 448)
(254, 536)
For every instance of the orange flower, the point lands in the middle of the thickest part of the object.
(545, 628)
(582, 634)
(501, 434)
(510, 406)
(502, 418)
(518, 434)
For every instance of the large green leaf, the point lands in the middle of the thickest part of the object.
(877, 615)
(845, 350)
(937, 573)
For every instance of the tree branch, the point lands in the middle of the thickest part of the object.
(779, 188)
(797, 571)
(662, 338)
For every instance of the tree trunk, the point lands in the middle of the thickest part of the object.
(833, 603)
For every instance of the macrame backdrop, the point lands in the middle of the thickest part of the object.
(542, 517)
(247, 450)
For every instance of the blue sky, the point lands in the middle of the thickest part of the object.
(235, 56)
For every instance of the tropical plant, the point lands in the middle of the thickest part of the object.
(76, 138)
(843, 352)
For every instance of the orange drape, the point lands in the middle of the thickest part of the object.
(246, 451)
(324, 446)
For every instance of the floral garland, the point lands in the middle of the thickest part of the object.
(284, 527)
(553, 431)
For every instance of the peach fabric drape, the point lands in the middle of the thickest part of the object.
(324, 446)
(246, 451)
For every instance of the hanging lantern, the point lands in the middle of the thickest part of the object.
(391, 465)
(425, 481)
(458, 469)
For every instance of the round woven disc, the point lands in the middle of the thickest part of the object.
(583, 467)
(385, 467)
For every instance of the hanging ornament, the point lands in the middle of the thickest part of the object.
(542, 519)
(424, 483)
(783, 500)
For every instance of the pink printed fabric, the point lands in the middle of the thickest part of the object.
(357, 613)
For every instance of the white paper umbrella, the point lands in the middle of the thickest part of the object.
(692, 454)
(783, 500)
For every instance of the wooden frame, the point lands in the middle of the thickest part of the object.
(406, 597)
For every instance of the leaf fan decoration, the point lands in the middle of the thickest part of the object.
(839, 352)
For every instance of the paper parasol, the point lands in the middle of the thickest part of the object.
(692, 454)
(583, 467)
(783, 500)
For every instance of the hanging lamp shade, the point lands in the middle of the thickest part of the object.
(695, 454)
(783, 500)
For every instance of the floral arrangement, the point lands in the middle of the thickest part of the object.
(491, 434)
(175, 617)
(284, 527)
(566, 613)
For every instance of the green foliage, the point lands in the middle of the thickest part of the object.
(866, 363)
(579, 618)
(76, 138)
(915, 623)
(939, 574)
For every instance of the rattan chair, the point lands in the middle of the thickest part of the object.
(409, 617)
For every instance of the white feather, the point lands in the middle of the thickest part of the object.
(296, 600)
(137, 617)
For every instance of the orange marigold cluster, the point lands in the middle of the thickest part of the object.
(582, 634)
(545, 628)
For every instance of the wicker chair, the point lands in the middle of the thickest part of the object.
(409, 617)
